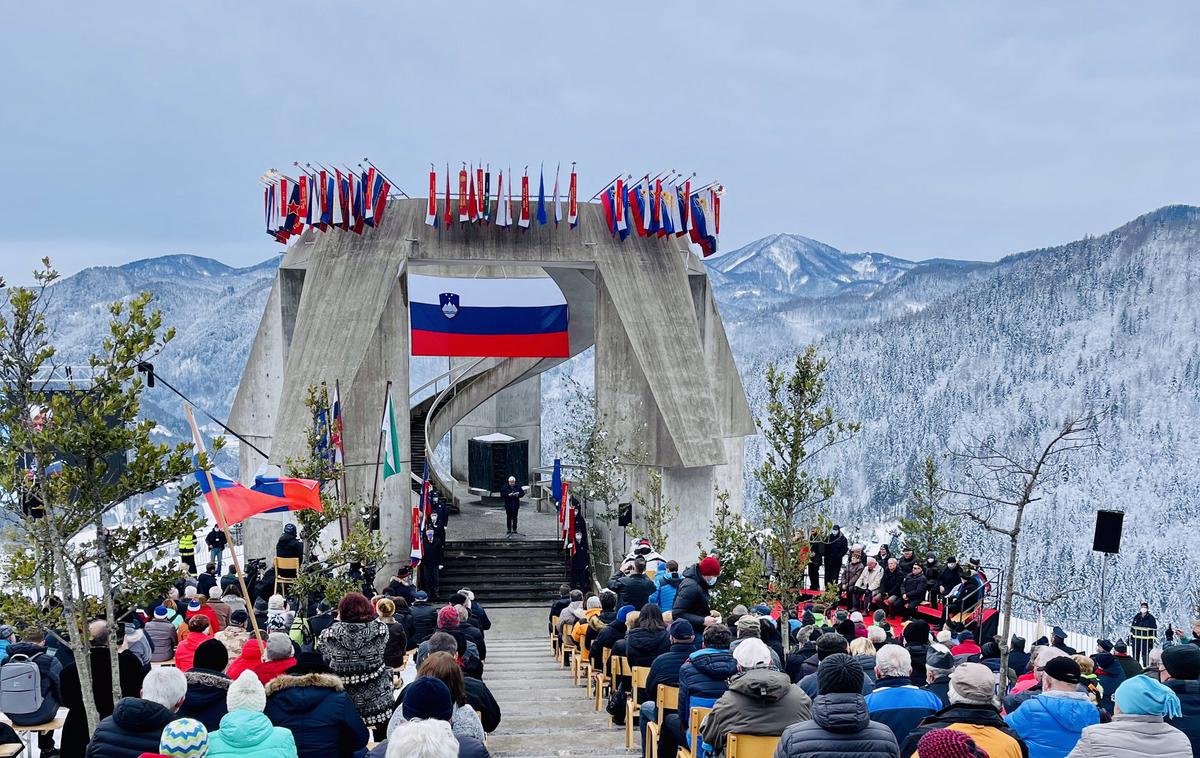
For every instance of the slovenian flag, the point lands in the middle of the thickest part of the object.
(488, 317)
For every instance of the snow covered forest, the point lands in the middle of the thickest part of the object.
(925, 355)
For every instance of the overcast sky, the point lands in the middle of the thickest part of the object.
(967, 130)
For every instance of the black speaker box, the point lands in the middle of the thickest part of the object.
(624, 514)
(1108, 532)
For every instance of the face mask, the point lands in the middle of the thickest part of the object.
(711, 580)
(837, 531)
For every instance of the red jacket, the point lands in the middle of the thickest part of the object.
(186, 652)
(214, 625)
(966, 648)
(251, 660)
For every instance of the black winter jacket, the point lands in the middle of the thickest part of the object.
(606, 638)
(665, 669)
(632, 590)
(889, 585)
(642, 646)
(913, 586)
(920, 674)
(691, 601)
(840, 726)
(397, 643)
(318, 713)
(75, 729)
(1188, 691)
(480, 698)
(134, 728)
(205, 699)
(424, 618)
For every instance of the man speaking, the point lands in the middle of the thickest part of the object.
(512, 494)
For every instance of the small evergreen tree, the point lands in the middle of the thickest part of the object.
(924, 526)
(653, 513)
(739, 546)
(797, 429)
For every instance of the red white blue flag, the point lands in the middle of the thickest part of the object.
(487, 317)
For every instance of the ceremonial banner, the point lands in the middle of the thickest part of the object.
(493, 318)
(431, 208)
(573, 199)
(523, 220)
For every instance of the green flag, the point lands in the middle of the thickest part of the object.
(391, 441)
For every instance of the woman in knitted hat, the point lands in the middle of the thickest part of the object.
(354, 645)
(691, 601)
(397, 642)
(245, 732)
(207, 685)
(1138, 726)
(948, 743)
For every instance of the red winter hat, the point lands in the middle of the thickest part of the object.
(949, 743)
(710, 567)
(447, 618)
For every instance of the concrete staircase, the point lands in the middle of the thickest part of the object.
(517, 570)
(543, 713)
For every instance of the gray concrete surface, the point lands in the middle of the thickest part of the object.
(543, 713)
(338, 311)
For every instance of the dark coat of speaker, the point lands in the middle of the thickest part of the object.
(490, 464)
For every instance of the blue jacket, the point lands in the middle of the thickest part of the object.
(900, 706)
(1189, 697)
(1051, 724)
(320, 716)
(666, 586)
(703, 679)
(249, 734)
(4, 651)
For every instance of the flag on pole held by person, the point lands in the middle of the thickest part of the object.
(568, 517)
(238, 502)
(416, 551)
(391, 441)
(556, 483)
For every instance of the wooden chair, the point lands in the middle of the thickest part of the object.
(666, 700)
(292, 566)
(637, 681)
(597, 678)
(619, 666)
(567, 650)
(581, 666)
(554, 636)
(750, 746)
(696, 717)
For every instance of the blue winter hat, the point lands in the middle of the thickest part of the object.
(965, 636)
(624, 611)
(422, 595)
(762, 609)
(194, 605)
(681, 629)
(1144, 696)
(160, 612)
(427, 698)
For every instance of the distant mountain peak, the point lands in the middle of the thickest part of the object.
(793, 265)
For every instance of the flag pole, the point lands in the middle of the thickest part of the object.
(219, 512)
(379, 449)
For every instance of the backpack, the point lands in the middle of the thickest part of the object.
(21, 685)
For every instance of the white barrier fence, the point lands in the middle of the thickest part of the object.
(1028, 630)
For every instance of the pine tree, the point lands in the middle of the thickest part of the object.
(924, 526)
(739, 546)
(796, 429)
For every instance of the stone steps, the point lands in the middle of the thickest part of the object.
(543, 713)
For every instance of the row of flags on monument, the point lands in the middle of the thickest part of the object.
(324, 200)
(658, 208)
(477, 203)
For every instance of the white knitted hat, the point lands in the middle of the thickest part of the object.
(246, 693)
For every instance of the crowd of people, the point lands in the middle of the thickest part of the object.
(202, 674)
(869, 678)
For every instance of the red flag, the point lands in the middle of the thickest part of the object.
(431, 209)
(472, 203)
(523, 221)
(573, 200)
(381, 201)
(462, 196)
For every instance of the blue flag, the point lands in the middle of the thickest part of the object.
(541, 213)
(556, 481)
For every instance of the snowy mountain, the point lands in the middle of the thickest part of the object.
(923, 354)
(787, 266)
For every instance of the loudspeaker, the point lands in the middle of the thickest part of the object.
(1108, 532)
(624, 514)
